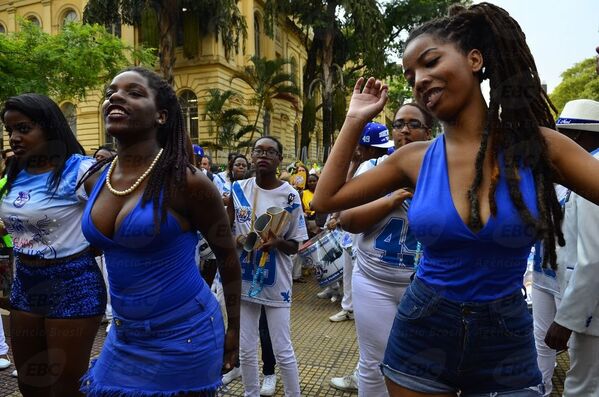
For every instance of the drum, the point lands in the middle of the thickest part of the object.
(324, 253)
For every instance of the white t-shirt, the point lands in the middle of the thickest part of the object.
(42, 222)
(387, 251)
(277, 285)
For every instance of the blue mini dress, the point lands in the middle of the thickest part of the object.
(168, 333)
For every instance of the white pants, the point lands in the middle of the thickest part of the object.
(102, 264)
(3, 345)
(583, 377)
(374, 311)
(297, 266)
(348, 269)
(544, 307)
(279, 327)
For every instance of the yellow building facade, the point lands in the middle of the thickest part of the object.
(192, 76)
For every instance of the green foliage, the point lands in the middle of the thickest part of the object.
(229, 123)
(64, 66)
(269, 82)
(399, 91)
(579, 82)
(361, 37)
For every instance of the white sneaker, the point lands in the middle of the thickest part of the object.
(343, 315)
(325, 293)
(231, 375)
(269, 385)
(4, 363)
(346, 383)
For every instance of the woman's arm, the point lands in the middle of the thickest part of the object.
(332, 192)
(364, 217)
(577, 169)
(209, 217)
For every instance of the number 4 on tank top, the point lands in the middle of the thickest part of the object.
(399, 246)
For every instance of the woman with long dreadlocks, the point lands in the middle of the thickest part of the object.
(483, 193)
(144, 212)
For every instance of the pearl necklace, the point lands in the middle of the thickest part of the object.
(137, 182)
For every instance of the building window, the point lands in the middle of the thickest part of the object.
(69, 16)
(70, 113)
(115, 27)
(257, 34)
(189, 106)
(34, 20)
(2, 29)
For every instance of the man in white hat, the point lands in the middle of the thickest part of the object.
(576, 324)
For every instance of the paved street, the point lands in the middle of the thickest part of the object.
(324, 349)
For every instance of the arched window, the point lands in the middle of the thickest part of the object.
(70, 113)
(34, 20)
(69, 16)
(115, 28)
(293, 64)
(2, 29)
(189, 106)
(257, 34)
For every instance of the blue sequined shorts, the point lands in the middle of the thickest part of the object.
(71, 289)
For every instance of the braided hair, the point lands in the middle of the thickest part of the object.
(169, 173)
(518, 106)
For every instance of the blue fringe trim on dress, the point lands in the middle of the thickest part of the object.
(91, 390)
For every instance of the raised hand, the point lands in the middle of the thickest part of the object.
(368, 102)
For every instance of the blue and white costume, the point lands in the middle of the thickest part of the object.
(385, 259)
(46, 224)
(251, 201)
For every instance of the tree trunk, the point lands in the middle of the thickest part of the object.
(327, 76)
(167, 19)
(309, 75)
(247, 150)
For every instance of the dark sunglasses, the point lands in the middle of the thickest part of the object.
(412, 124)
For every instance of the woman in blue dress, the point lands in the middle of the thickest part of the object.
(144, 212)
(483, 195)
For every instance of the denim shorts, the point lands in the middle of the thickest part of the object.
(479, 349)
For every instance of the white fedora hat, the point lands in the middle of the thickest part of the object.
(580, 114)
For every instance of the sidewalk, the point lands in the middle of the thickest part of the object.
(323, 349)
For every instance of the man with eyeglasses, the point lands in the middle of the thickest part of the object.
(408, 128)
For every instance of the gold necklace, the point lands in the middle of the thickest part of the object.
(137, 182)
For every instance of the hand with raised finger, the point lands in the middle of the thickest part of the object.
(367, 101)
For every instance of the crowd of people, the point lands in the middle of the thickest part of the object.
(192, 266)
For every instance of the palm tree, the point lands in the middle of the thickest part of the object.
(160, 20)
(226, 122)
(269, 82)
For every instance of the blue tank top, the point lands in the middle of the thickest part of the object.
(459, 264)
(149, 273)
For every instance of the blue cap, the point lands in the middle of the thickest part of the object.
(198, 151)
(375, 135)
